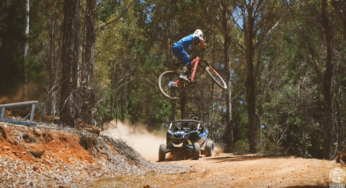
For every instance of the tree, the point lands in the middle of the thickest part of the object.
(12, 36)
(224, 27)
(327, 82)
(87, 96)
(69, 60)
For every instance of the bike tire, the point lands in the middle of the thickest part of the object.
(216, 77)
(164, 79)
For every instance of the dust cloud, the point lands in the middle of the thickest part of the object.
(145, 143)
(137, 137)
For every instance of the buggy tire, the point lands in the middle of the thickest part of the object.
(195, 151)
(162, 152)
(209, 148)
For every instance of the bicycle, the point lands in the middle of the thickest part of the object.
(172, 89)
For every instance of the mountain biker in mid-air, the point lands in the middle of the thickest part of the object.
(179, 47)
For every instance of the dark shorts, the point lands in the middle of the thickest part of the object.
(180, 53)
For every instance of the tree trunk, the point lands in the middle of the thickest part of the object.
(88, 68)
(340, 125)
(112, 98)
(122, 101)
(26, 49)
(250, 92)
(227, 62)
(183, 102)
(327, 120)
(51, 68)
(69, 60)
(212, 90)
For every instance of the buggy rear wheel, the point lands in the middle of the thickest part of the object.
(167, 86)
(195, 151)
(209, 148)
(216, 77)
(162, 152)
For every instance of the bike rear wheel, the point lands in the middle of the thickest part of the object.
(216, 77)
(166, 86)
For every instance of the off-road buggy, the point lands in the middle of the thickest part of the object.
(188, 134)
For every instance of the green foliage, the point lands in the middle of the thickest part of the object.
(289, 65)
(108, 7)
(12, 24)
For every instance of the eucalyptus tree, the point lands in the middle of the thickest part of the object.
(212, 11)
(339, 8)
(50, 15)
(12, 24)
(69, 59)
(317, 42)
(87, 68)
(259, 19)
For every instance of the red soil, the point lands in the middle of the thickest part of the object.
(60, 145)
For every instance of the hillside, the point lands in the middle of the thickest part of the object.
(71, 157)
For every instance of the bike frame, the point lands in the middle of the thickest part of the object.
(183, 84)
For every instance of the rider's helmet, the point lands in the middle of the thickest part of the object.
(199, 33)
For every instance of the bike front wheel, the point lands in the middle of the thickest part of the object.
(216, 77)
(167, 86)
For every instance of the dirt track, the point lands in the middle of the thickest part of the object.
(228, 170)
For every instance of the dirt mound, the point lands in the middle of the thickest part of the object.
(61, 145)
(71, 157)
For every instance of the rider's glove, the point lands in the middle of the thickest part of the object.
(204, 46)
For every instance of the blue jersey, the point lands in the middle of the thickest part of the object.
(179, 47)
(187, 41)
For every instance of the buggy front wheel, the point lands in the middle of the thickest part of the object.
(216, 77)
(162, 152)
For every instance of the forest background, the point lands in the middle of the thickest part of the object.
(98, 60)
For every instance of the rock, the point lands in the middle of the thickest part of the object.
(79, 124)
(37, 150)
(93, 129)
(38, 132)
(44, 118)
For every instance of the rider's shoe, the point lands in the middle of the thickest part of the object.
(184, 77)
(184, 74)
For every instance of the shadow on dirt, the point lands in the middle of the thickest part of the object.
(178, 155)
(242, 157)
(312, 186)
